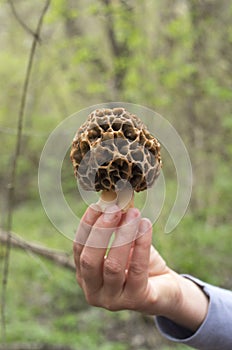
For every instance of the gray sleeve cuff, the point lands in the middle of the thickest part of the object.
(215, 333)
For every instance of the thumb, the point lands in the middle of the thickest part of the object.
(157, 265)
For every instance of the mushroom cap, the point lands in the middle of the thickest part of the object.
(113, 147)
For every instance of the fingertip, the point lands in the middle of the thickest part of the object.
(95, 207)
(131, 214)
(92, 213)
(145, 226)
(112, 213)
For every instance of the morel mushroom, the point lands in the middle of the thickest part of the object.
(113, 152)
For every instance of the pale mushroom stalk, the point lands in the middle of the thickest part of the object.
(114, 152)
(124, 199)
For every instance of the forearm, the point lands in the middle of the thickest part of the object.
(215, 331)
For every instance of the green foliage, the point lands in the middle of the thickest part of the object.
(202, 255)
(158, 54)
(44, 302)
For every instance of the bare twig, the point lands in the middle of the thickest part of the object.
(119, 49)
(58, 257)
(12, 177)
(116, 47)
(32, 346)
(23, 24)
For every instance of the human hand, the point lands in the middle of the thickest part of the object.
(133, 275)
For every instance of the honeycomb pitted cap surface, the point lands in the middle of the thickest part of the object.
(113, 147)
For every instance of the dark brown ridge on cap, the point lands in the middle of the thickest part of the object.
(114, 147)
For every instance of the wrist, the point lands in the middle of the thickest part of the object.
(191, 304)
(166, 297)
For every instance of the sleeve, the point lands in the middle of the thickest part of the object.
(215, 333)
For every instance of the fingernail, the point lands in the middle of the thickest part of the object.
(144, 226)
(111, 213)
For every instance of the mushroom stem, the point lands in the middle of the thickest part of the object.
(109, 196)
(124, 199)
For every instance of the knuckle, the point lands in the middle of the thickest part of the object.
(86, 263)
(111, 307)
(112, 267)
(136, 269)
(92, 301)
(102, 301)
(129, 303)
(77, 248)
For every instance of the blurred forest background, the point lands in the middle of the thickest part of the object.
(174, 57)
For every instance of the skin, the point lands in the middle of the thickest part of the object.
(133, 275)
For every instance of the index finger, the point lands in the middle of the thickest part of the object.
(88, 220)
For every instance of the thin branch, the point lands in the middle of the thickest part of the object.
(116, 47)
(119, 49)
(58, 257)
(24, 25)
(12, 177)
(33, 346)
